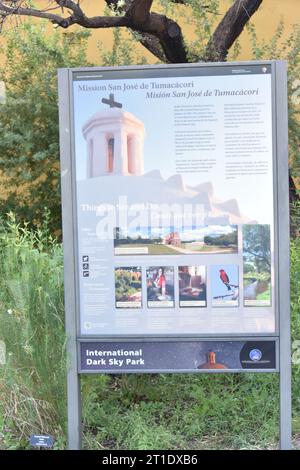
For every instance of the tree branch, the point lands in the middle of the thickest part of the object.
(263, 258)
(139, 11)
(153, 45)
(78, 17)
(160, 34)
(6, 10)
(149, 25)
(229, 29)
(169, 35)
(99, 22)
(74, 7)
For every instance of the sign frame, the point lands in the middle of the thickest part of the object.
(281, 249)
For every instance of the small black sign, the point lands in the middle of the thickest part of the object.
(37, 440)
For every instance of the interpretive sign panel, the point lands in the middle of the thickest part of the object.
(175, 201)
(175, 221)
(175, 209)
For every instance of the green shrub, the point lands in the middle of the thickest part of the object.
(29, 141)
(32, 327)
(155, 411)
(295, 325)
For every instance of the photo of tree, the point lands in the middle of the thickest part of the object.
(128, 287)
(160, 286)
(257, 265)
(221, 237)
(192, 286)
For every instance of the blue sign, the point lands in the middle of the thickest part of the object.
(41, 441)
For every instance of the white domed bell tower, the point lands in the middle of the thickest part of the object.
(115, 140)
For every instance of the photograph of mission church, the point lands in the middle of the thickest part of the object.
(174, 241)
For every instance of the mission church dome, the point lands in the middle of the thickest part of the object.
(115, 140)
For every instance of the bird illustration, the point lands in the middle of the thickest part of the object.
(224, 278)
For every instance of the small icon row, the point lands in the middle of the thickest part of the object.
(85, 266)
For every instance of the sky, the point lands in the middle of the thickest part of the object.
(187, 233)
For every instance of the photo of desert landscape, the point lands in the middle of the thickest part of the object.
(172, 240)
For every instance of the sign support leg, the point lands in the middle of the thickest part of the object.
(285, 376)
(74, 411)
(284, 260)
(73, 378)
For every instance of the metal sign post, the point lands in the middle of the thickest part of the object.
(284, 259)
(175, 206)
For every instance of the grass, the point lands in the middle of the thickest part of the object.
(184, 412)
(153, 249)
(230, 411)
(32, 382)
(208, 248)
(266, 295)
(160, 249)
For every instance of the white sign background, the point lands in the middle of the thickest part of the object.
(253, 193)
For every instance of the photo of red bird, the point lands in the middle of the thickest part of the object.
(225, 285)
(224, 278)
